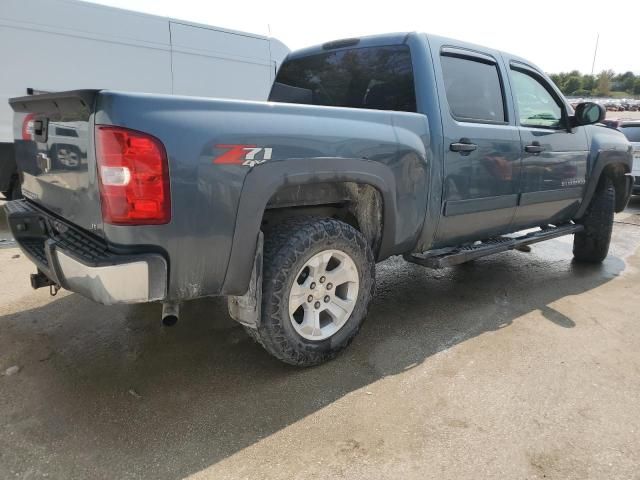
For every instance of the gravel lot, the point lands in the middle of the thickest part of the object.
(624, 115)
(518, 366)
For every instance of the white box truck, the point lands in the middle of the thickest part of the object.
(53, 45)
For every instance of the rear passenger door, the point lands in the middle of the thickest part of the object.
(481, 143)
(554, 158)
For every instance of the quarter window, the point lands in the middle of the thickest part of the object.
(536, 106)
(473, 88)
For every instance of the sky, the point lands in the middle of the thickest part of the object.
(557, 35)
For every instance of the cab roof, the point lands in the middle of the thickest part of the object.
(360, 42)
(398, 38)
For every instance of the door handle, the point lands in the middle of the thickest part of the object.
(464, 146)
(535, 147)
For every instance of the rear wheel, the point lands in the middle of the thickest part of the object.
(592, 244)
(317, 284)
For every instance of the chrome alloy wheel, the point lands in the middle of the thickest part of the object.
(323, 295)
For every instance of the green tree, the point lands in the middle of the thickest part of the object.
(589, 82)
(572, 85)
(555, 78)
(604, 83)
(624, 82)
(563, 80)
(636, 86)
(629, 81)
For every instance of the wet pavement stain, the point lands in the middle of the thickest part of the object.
(481, 370)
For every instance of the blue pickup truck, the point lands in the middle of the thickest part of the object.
(403, 144)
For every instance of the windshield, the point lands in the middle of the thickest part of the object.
(372, 77)
(632, 132)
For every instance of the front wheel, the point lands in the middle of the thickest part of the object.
(318, 280)
(592, 244)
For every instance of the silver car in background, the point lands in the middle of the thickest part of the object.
(631, 129)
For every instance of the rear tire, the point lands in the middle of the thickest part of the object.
(301, 257)
(592, 244)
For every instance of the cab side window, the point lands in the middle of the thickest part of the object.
(474, 90)
(536, 106)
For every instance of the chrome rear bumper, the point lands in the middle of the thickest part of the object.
(82, 263)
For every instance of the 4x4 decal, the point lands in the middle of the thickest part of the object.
(243, 155)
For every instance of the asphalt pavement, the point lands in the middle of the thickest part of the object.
(516, 366)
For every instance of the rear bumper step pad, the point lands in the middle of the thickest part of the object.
(78, 262)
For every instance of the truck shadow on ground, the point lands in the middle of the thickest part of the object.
(116, 395)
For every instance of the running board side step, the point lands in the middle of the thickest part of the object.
(447, 257)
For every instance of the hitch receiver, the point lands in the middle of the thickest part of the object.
(39, 280)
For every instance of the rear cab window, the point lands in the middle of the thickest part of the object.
(378, 78)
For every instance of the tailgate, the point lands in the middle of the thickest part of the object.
(55, 155)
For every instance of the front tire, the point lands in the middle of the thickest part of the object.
(318, 280)
(592, 244)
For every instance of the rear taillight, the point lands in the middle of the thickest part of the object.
(134, 177)
(27, 127)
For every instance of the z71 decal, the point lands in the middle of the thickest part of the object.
(243, 155)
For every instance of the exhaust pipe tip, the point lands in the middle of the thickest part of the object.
(170, 313)
(169, 320)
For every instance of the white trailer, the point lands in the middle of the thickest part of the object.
(53, 45)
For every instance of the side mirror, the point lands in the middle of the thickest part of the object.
(588, 113)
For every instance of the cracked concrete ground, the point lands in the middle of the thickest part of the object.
(517, 366)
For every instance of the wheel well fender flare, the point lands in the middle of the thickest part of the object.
(606, 161)
(264, 180)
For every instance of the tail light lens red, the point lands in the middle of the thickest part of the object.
(27, 127)
(133, 175)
